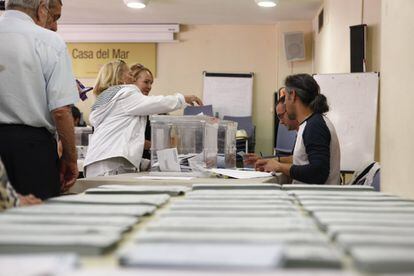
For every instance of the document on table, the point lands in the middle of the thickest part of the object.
(240, 174)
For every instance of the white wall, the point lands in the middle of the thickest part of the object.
(397, 71)
(332, 44)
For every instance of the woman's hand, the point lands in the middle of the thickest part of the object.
(191, 99)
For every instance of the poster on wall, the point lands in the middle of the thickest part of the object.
(88, 58)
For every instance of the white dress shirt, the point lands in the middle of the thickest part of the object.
(35, 72)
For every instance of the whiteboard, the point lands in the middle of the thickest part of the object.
(353, 101)
(229, 94)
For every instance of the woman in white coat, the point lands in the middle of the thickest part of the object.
(119, 117)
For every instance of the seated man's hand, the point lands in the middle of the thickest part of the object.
(250, 158)
(28, 200)
(260, 164)
(268, 165)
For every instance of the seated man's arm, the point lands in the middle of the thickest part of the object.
(317, 140)
(286, 159)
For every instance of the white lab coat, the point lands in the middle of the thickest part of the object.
(119, 125)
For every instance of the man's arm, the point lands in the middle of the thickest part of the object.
(68, 163)
(286, 159)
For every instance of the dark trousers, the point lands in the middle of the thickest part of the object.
(30, 157)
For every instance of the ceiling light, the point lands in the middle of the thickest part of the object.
(267, 3)
(136, 4)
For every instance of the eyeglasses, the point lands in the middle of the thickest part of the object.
(280, 115)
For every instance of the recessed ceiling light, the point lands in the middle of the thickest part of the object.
(136, 4)
(267, 3)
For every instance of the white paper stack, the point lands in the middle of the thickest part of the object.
(86, 244)
(85, 209)
(253, 186)
(377, 259)
(299, 237)
(377, 229)
(116, 199)
(59, 229)
(327, 187)
(27, 219)
(38, 264)
(204, 256)
(222, 224)
(312, 256)
(139, 189)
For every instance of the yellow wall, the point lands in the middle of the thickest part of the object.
(229, 48)
(397, 71)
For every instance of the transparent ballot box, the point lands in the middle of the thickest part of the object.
(82, 135)
(82, 140)
(194, 137)
(226, 143)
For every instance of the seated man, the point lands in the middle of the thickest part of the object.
(316, 158)
(251, 158)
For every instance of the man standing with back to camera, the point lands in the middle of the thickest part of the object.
(37, 88)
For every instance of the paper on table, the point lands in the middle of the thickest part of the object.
(168, 160)
(240, 174)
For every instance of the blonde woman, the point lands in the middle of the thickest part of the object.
(119, 117)
(143, 79)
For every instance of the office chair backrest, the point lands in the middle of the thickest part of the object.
(195, 110)
(244, 122)
(285, 141)
(366, 175)
(376, 183)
